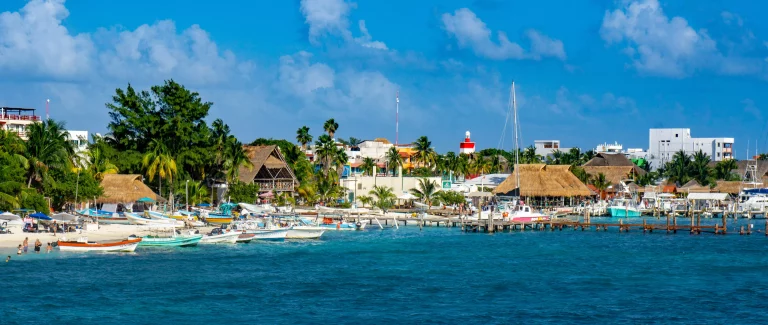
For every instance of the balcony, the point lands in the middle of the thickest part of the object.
(15, 117)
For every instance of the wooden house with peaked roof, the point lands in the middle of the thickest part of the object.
(270, 170)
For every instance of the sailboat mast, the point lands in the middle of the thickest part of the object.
(517, 143)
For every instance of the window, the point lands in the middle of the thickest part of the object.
(360, 186)
(675, 135)
(718, 144)
(718, 155)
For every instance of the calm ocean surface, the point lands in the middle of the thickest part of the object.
(438, 275)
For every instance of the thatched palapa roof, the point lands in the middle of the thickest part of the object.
(730, 187)
(614, 174)
(544, 181)
(268, 157)
(609, 159)
(119, 188)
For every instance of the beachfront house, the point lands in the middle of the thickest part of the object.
(122, 191)
(544, 185)
(269, 170)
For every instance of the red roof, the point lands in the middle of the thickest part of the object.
(669, 189)
(355, 164)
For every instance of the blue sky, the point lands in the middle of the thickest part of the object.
(586, 72)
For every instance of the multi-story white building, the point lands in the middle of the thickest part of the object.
(545, 148)
(664, 143)
(79, 140)
(630, 153)
(376, 149)
(17, 120)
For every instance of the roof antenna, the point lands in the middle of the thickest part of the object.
(47, 111)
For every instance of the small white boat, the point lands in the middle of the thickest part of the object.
(305, 232)
(219, 236)
(83, 245)
(264, 230)
(139, 220)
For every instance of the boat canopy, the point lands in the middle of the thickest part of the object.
(708, 196)
(756, 191)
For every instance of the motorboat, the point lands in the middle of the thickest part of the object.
(83, 245)
(262, 230)
(245, 238)
(220, 236)
(302, 228)
(139, 220)
(173, 240)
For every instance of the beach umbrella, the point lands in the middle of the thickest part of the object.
(407, 196)
(40, 216)
(146, 199)
(9, 216)
(266, 195)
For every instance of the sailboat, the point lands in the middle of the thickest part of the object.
(518, 210)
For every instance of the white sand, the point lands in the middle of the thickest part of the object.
(104, 233)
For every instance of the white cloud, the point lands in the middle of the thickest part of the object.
(731, 18)
(670, 47)
(300, 77)
(471, 32)
(581, 106)
(34, 41)
(330, 17)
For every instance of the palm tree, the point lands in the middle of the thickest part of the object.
(724, 170)
(340, 159)
(365, 200)
(330, 126)
(574, 157)
(235, 157)
(600, 183)
(394, 160)
(99, 165)
(677, 169)
(368, 165)
(385, 198)
(427, 191)
(303, 137)
(325, 151)
(463, 165)
(11, 144)
(699, 168)
(494, 164)
(47, 147)
(424, 151)
(762, 156)
(587, 156)
(158, 162)
(529, 156)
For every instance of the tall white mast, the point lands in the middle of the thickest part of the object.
(517, 143)
(397, 116)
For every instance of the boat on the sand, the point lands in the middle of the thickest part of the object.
(219, 236)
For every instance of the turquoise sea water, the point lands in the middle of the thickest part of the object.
(438, 275)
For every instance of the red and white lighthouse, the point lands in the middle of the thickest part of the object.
(467, 146)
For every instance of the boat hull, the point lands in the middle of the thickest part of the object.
(128, 245)
(305, 232)
(137, 220)
(185, 241)
(227, 238)
(113, 221)
(269, 234)
(218, 221)
(623, 212)
(245, 238)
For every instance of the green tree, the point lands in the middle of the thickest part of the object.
(11, 144)
(699, 169)
(99, 165)
(47, 147)
(331, 126)
(365, 200)
(325, 152)
(394, 160)
(384, 197)
(450, 197)
(243, 192)
(71, 186)
(600, 183)
(424, 153)
(368, 166)
(234, 158)
(303, 137)
(724, 170)
(158, 163)
(427, 190)
(677, 170)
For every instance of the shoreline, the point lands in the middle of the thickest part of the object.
(104, 233)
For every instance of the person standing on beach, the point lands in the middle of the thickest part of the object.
(26, 244)
(38, 245)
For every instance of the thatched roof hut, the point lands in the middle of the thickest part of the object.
(119, 188)
(614, 174)
(539, 180)
(269, 170)
(609, 159)
(730, 187)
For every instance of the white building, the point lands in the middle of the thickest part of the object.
(376, 149)
(545, 148)
(17, 120)
(664, 143)
(79, 139)
(630, 153)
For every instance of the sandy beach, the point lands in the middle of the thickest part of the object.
(103, 233)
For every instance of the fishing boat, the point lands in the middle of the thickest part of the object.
(221, 217)
(179, 222)
(174, 241)
(344, 226)
(625, 205)
(220, 236)
(105, 217)
(83, 245)
(139, 220)
(245, 238)
(302, 228)
(262, 230)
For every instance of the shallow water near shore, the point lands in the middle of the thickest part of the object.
(437, 275)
